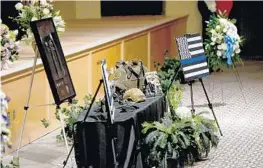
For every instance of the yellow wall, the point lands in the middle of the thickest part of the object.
(174, 8)
(88, 9)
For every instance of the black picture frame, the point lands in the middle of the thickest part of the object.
(53, 59)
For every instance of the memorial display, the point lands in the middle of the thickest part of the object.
(53, 59)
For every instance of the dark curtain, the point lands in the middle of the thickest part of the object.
(125, 8)
(249, 23)
(205, 13)
(8, 10)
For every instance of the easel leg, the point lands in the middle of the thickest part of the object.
(211, 106)
(63, 128)
(27, 105)
(192, 98)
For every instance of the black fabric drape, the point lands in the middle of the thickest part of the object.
(92, 147)
(205, 13)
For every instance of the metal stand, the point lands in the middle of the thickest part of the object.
(210, 106)
(87, 114)
(26, 107)
(192, 97)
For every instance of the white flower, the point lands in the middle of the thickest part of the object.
(43, 2)
(183, 112)
(224, 46)
(219, 53)
(46, 11)
(218, 27)
(60, 29)
(213, 31)
(15, 32)
(213, 39)
(237, 51)
(34, 18)
(19, 6)
(225, 30)
(219, 47)
(212, 43)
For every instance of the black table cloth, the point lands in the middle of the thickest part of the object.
(92, 139)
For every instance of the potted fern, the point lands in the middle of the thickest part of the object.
(167, 141)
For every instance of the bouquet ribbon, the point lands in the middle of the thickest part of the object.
(230, 41)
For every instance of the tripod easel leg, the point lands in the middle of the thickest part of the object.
(27, 105)
(192, 98)
(63, 128)
(210, 106)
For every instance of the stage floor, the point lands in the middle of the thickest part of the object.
(241, 123)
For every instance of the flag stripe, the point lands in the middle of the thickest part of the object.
(197, 62)
(195, 45)
(194, 42)
(203, 64)
(191, 39)
(196, 77)
(195, 70)
(193, 60)
(197, 52)
(196, 73)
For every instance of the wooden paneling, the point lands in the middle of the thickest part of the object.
(178, 28)
(79, 71)
(112, 54)
(136, 48)
(18, 91)
(160, 41)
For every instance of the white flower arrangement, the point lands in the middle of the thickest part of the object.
(5, 132)
(10, 48)
(223, 45)
(36, 10)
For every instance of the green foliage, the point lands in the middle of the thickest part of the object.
(179, 139)
(167, 140)
(205, 133)
(168, 70)
(13, 164)
(70, 115)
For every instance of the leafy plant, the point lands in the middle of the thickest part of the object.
(70, 116)
(167, 140)
(14, 163)
(205, 133)
(168, 70)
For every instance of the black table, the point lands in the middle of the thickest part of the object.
(92, 140)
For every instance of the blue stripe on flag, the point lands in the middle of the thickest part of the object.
(193, 60)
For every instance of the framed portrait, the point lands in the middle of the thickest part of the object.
(53, 59)
(108, 89)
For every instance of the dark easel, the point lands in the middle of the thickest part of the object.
(190, 83)
(110, 123)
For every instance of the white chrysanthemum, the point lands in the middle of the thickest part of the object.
(237, 51)
(15, 32)
(224, 46)
(183, 112)
(19, 6)
(34, 18)
(46, 11)
(219, 53)
(218, 27)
